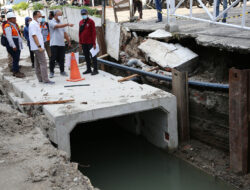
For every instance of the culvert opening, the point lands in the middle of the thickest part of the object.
(115, 158)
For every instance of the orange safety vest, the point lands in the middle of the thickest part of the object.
(45, 27)
(14, 31)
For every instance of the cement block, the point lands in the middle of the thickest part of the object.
(112, 37)
(106, 98)
(160, 34)
(169, 55)
(172, 27)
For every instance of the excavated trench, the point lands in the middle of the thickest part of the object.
(209, 109)
(116, 159)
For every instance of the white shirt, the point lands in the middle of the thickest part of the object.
(34, 29)
(9, 37)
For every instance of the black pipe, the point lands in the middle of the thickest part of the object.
(162, 77)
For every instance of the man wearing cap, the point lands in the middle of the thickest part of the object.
(13, 43)
(46, 36)
(57, 45)
(37, 46)
(87, 40)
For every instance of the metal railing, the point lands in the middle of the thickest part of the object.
(171, 9)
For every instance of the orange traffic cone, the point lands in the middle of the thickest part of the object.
(74, 70)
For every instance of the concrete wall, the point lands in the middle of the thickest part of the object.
(151, 124)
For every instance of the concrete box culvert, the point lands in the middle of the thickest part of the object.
(151, 124)
(106, 98)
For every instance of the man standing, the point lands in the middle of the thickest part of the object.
(138, 6)
(37, 46)
(3, 22)
(26, 36)
(159, 10)
(57, 45)
(46, 36)
(13, 43)
(87, 40)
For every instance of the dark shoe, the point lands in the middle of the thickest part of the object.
(158, 21)
(94, 73)
(224, 20)
(51, 75)
(49, 82)
(64, 74)
(87, 72)
(18, 75)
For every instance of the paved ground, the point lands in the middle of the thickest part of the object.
(206, 34)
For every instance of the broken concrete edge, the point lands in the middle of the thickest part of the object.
(168, 55)
(181, 36)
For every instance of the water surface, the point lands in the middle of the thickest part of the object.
(114, 159)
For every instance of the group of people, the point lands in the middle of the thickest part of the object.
(137, 6)
(48, 36)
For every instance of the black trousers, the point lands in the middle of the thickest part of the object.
(86, 51)
(32, 58)
(138, 6)
(57, 55)
(15, 58)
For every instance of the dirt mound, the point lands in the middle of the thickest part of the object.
(28, 161)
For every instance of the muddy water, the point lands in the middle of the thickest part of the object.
(114, 159)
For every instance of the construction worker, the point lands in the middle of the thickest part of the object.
(3, 22)
(87, 40)
(57, 45)
(37, 46)
(13, 43)
(46, 36)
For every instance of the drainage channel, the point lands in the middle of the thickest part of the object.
(115, 159)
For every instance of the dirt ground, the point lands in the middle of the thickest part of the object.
(28, 161)
(212, 161)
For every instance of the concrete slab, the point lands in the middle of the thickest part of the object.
(107, 98)
(169, 55)
(112, 37)
(226, 38)
(160, 34)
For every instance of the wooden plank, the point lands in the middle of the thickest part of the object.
(116, 19)
(101, 42)
(47, 102)
(135, 75)
(238, 120)
(180, 90)
(118, 9)
(122, 2)
(103, 14)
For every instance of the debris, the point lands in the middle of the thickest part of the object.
(75, 179)
(135, 35)
(169, 55)
(48, 102)
(160, 34)
(75, 85)
(84, 102)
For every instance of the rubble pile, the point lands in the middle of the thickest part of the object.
(27, 158)
(148, 51)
